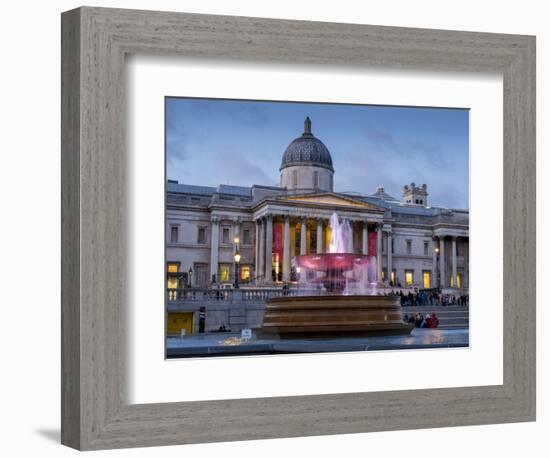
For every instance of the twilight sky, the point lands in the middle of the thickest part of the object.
(210, 142)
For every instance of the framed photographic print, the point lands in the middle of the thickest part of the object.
(287, 228)
(310, 260)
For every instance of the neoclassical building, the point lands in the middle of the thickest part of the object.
(416, 245)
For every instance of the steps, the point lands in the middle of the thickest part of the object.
(450, 317)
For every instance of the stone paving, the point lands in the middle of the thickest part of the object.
(231, 344)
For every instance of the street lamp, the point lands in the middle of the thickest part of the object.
(237, 258)
(190, 274)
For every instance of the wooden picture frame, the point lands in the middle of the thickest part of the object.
(95, 412)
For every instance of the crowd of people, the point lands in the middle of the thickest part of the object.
(429, 321)
(421, 298)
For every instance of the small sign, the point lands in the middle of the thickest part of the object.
(246, 334)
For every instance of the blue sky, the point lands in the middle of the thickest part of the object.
(212, 141)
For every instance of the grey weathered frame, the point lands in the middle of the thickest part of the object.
(95, 414)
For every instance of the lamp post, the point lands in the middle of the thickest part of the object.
(190, 274)
(237, 258)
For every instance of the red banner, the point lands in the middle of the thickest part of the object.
(372, 243)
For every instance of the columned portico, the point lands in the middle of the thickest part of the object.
(268, 248)
(299, 225)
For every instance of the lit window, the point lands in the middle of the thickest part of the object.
(224, 273)
(201, 236)
(409, 280)
(459, 280)
(173, 267)
(426, 279)
(393, 278)
(225, 235)
(174, 234)
(172, 283)
(245, 273)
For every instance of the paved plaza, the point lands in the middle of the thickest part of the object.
(231, 344)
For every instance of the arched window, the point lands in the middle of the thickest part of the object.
(315, 179)
(295, 179)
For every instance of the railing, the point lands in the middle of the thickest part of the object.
(248, 294)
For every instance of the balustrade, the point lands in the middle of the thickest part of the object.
(231, 295)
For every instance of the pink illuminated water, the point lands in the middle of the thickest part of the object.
(340, 271)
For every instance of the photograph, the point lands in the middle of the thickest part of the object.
(300, 227)
(270, 229)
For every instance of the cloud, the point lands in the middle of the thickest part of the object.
(237, 169)
(367, 166)
(176, 136)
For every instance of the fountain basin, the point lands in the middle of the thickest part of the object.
(333, 316)
(335, 271)
(332, 261)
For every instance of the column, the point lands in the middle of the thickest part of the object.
(303, 236)
(434, 266)
(261, 252)
(442, 281)
(319, 235)
(286, 249)
(390, 267)
(214, 245)
(237, 231)
(365, 237)
(257, 250)
(453, 260)
(268, 248)
(379, 252)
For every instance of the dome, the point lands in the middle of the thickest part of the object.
(307, 150)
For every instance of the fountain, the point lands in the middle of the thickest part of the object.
(336, 297)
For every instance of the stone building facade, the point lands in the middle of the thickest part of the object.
(417, 246)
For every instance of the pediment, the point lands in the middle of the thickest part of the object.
(331, 200)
